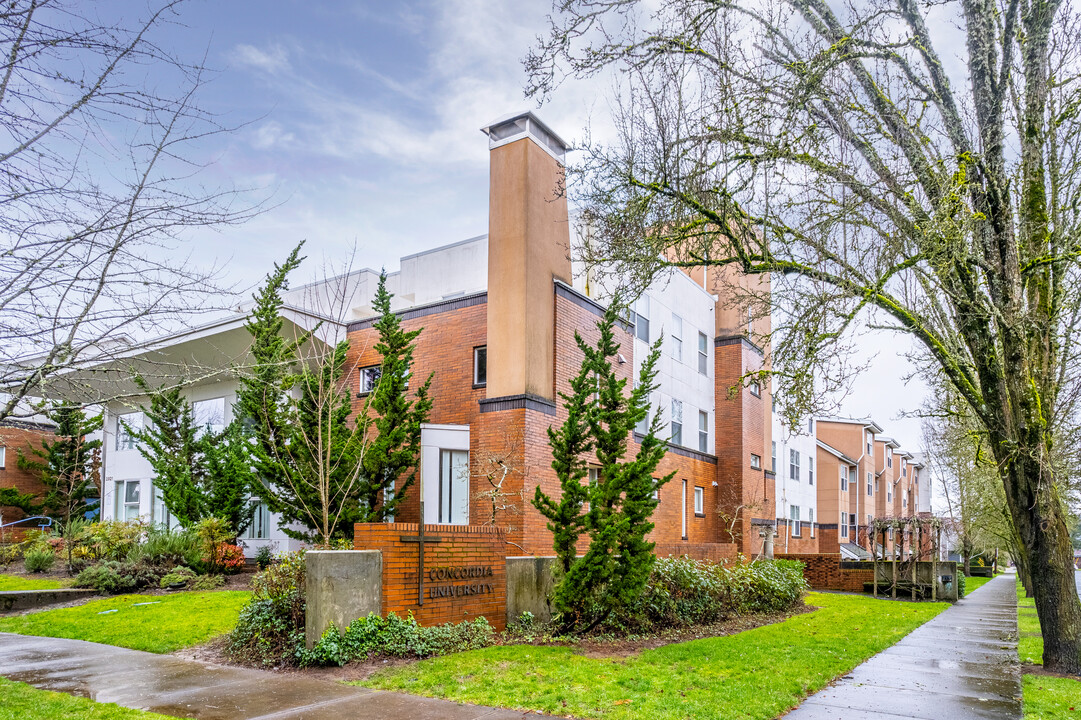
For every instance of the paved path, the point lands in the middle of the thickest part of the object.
(960, 665)
(188, 689)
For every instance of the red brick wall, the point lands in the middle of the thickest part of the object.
(823, 571)
(714, 552)
(17, 439)
(460, 546)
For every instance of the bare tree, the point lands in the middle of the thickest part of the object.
(839, 149)
(500, 473)
(97, 183)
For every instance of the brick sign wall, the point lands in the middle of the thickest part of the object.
(464, 574)
(826, 571)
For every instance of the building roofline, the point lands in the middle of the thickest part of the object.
(835, 452)
(448, 246)
(866, 422)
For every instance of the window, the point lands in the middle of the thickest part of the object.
(703, 431)
(853, 527)
(889, 456)
(683, 499)
(756, 462)
(844, 525)
(852, 477)
(677, 337)
(869, 484)
(643, 424)
(811, 520)
(750, 320)
(794, 520)
(870, 443)
(904, 499)
(259, 529)
(755, 388)
(480, 365)
(889, 494)
(876, 484)
(369, 378)
(703, 354)
(844, 479)
(454, 487)
(127, 424)
(159, 514)
(773, 459)
(593, 475)
(657, 490)
(641, 318)
(677, 423)
(700, 501)
(793, 465)
(811, 426)
(128, 493)
(904, 468)
(209, 415)
(810, 470)
(3, 457)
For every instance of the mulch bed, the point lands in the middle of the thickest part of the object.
(600, 646)
(1031, 669)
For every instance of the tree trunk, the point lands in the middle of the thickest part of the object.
(1038, 515)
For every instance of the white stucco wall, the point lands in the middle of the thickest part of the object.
(795, 491)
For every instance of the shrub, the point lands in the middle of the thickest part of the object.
(230, 558)
(682, 592)
(179, 574)
(395, 636)
(114, 577)
(270, 629)
(960, 584)
(112, 539)
(264, 556)
(214, 536)
(39, 559)
(208, 582)
(167, 548)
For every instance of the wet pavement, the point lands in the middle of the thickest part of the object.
(962, 664)
(189, 689)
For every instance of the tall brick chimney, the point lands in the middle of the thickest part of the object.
(528, 247)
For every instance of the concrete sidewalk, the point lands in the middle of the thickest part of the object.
(962, 664)
(188, 689)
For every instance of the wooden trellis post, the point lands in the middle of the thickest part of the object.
(896, 536)
(874, 561)
(937, 538)
(915, 555)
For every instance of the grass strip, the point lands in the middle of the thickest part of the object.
(21, 582)
(19, 701)
(1046, 697)
(758, 673)
(154, 623)
(972, 584)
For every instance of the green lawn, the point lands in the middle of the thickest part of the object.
(22, 702)
(759, 673)
(155, 623)
(22, 582)
(973, 584)
(1046, 697)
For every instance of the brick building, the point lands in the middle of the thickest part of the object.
(19, 436)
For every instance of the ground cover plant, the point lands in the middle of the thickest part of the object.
(22, 582)
(19, 701)
(713, 677)
(154, 623)
(396, 637)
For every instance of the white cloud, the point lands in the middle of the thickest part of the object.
(273, 60)
(270, 135)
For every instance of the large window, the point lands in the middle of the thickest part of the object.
(773, 458)
(127, 497)
(793, 465)
(369, 378)
(810, 470)
(844, 525)
(703, 354)
(703, 431)
(259, 529)
(159, 514)
(454, 487)
(811, 520)
(870, 483)
(480, 365)
(641, 318)
(889, 456)
(126, 424)
(844, 478)
(677, 337)
(209, 415)
(677, 422)
(794, 516)
(699, 501)
(870, 443)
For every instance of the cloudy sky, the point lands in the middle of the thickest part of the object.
(361, 120)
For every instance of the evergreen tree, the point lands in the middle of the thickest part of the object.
(296, 402)
(394, 449)
(201, 473)
(68, 465)
(614, 569)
